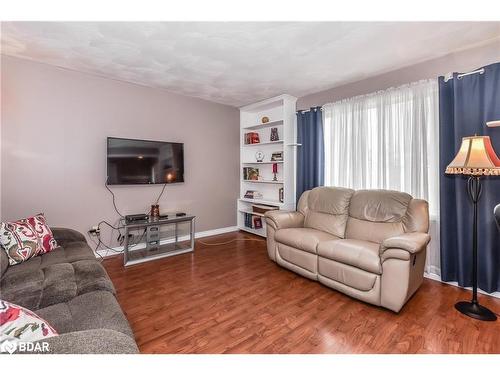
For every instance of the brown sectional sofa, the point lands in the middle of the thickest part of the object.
(369, 244)
(71, 290)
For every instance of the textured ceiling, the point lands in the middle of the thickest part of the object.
(238, 63)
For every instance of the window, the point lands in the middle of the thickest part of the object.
(387, 140)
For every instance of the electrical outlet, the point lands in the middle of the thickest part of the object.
(94, 231)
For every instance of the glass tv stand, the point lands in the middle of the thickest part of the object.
(159, 239)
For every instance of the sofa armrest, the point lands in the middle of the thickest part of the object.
(284, 219)
(62, 235)
(405, 244)
(93, 341)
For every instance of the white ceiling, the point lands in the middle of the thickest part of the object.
(239, 63)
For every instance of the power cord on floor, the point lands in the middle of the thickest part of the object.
(228, 242)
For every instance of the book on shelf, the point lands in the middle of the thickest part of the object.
(253, 194)
(252, 138)
(253, 221)
(257, 222)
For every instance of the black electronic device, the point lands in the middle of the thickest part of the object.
(135, 162)
(136, 217)
(179, 214)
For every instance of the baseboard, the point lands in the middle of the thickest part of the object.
(213, 232)
(436, 277)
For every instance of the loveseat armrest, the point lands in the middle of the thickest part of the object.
(403, 244)
(63, 235)
(92, 341)
(279, 219)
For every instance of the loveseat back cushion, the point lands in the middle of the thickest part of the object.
(327, 209)
(375, 215)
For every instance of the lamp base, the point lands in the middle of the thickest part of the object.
(476, 311)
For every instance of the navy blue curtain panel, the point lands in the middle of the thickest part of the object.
(465, 105)
(311, 155)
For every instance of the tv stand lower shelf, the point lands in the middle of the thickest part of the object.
(151, 246)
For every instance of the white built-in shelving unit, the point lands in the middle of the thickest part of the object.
(281, 113)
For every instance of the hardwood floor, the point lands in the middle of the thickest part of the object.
(232, 299)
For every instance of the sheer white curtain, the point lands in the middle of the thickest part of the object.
(388, 140)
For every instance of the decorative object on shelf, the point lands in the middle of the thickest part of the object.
(475, 158)
(281, 195)
(250, 174)
(259, 156)
(252, 138)
(274, 135)
(253, 194)
(275, 171)
(263, 208)
(265, 120)
(257, 222)
(155, 211)
(277, 156)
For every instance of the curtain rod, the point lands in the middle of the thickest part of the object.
(459, 76)
(308, 110)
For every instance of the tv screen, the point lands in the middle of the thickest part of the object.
(132, 161)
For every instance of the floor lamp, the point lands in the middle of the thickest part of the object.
(475, 158)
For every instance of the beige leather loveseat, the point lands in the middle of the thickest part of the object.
(369, 244)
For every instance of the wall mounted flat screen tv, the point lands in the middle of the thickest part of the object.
(140, 162)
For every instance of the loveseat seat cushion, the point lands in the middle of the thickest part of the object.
(95, 310)
(305, 239)
(55, 283)
(356, 253)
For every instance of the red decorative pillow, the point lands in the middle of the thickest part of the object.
(20, 324)
(26, 238)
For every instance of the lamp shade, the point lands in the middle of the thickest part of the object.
(476, 156)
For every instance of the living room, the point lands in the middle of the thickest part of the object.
(249, 187)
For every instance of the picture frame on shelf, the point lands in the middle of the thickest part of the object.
(250, 174)
(277, 156)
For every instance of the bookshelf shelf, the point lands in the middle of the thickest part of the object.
(262, 201)
(266, 125)
(263, 182)
(263, 144)
(250, 212)
(261, 162)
